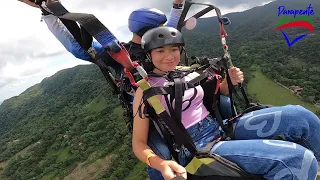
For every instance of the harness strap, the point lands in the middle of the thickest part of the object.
(83, 37)
(181, 136)
(105, 71)
(164, 131)
(184, 13)
(156, 91)
(179, 92)
(209, 146)
(79, 34)
(227, 59)
(97, 30)
(169, 105)
(230, 88)
(187, 6)
(252, 107)
(218, 115)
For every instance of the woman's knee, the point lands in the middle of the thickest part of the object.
(275, 159)
(296, 115)
(307, 114)
(297, 110)
(292, 168)
(302, 116)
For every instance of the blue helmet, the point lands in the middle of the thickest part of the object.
(144, 19)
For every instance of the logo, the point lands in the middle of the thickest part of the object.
(295, 19)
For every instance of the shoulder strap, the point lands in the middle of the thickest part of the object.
(178, 94)
(180, 135)
(163, 130)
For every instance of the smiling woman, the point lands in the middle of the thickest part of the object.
(259, 135)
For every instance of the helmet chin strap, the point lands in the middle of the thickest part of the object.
(149, 58)
(162, 70)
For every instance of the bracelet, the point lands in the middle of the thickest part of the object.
(177, 6)
(150, 155)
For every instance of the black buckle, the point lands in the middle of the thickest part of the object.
(177, 6)
(174, 74)
(176, 147)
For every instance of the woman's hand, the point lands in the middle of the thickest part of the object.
(170, 169)
(236, 75)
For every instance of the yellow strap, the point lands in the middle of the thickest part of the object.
(153, 100)
(150, 155)
(196, 163)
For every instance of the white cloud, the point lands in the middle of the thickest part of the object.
(24, 75)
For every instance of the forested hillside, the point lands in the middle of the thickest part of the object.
(65, 124)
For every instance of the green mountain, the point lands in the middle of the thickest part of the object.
(66, 125)
(69, 126)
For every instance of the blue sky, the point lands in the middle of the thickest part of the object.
(29, 52)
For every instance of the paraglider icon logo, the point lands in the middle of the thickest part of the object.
(301, 19)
